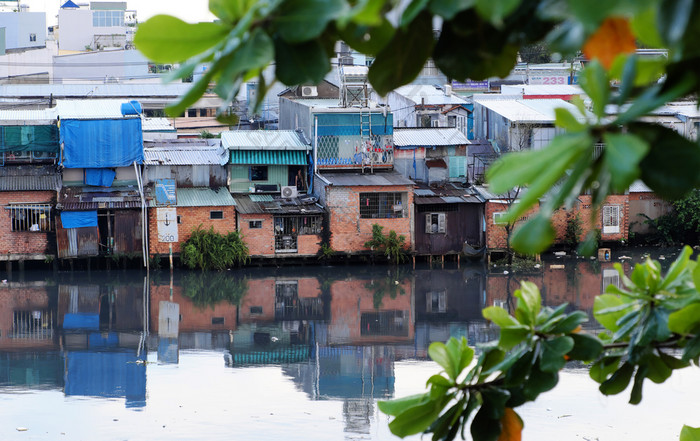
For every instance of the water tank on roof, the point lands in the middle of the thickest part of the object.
(131, 108)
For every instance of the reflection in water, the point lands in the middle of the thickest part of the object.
(336, 333)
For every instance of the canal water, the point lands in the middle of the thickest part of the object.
(292, 353)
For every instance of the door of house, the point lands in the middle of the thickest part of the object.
(286, 231)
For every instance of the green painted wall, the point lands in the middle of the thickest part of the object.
(240, 178)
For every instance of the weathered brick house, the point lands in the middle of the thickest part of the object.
(356, 201)
(278, 227)
(187, 183)
(29, 182)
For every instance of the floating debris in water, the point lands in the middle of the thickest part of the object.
(505, 272)
(22, 429)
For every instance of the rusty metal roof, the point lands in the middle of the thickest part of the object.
(29, 178)
(365, 179)
(93, 198)
(304, 205)
(448, 194)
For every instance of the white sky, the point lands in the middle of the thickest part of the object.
(188, 10)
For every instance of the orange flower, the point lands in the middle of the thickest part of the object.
(613, 37)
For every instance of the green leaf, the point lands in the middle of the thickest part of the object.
(228, 10)
(460, 354)
(303, 20)
(566, 120)
(365, 39)
(618, 381)
(494, 401)
(192, 96)
(520, 370)
(645, 28)
(608, 309)
(412, 10)
(636, 395)
(447, 9)
(571, 322)
(534, 236)
(511, 337)
(539, 381)
(691, 349)
(658, 371)
(484, 428)
(500, 317)
(677, 267)
(402, 59)
(523, 168)
(673, 362)
(553, 351)
(586, 347)
(602, 369)
(439, 380)
(672, 18)
(365, 12)
(670, 168)
(399, 405)
(690, 433)
(621, 156)
(529, 301)
(166, 39)
(496, 10)
(438, 353)
(594, 81)
(417, 418)
(255, 52)
(300, 63)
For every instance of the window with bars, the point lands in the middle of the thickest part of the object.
(611, 219)
(298, 225)
(435, 223)
(258, 173)
(382, 205)
(436, 301)
(30, 217)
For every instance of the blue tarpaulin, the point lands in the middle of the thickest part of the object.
(81, 320)
(101, 143)
(101, 177)
(79, 219)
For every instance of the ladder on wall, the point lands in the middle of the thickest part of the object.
(366, 137)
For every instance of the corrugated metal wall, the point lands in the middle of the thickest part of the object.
(76, 242)
(127, 232)
(240, 179)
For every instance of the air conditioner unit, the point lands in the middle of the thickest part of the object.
(43, 155)
(289, 192)
(309, 91)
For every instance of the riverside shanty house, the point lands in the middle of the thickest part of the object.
(356, 201)
(267, 161)
(102, 204)
(449, 220)
(431, 156)
(279, 227)
(187, 181)
(29, 181)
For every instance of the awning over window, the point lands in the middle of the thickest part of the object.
(262, 157)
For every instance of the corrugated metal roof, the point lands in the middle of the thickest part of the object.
(93, 198)
(263, 140)
(27, 117)
(539, 111)
(639, 187)
(428, 137)
(423, 192)
(268, 157)
(261, 197)
(204, 197)
(428, 95)
(157, 125)
(359, 179)
(184, 156)
(251, 204)
(170, 90)
(32, 178)
(91, 109)
(448, 194)
(541, 90)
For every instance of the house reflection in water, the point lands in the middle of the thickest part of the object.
(103, 342)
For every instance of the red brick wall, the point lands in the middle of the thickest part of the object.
(261, 292)
(193, 317)
(496, 234)
(21, 299)
(191, 218)
(348, 232)
(22, 242)
(260, 241)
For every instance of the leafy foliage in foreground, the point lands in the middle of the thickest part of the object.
(207, 249)
(646, 322)
(207, 289)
